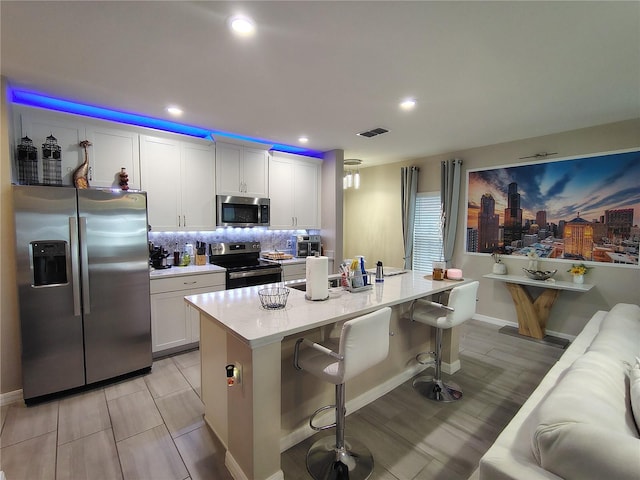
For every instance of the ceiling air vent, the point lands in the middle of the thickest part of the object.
(373, 133)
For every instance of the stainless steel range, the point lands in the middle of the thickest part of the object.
(243, 264)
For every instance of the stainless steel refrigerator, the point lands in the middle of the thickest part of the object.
(83, 284)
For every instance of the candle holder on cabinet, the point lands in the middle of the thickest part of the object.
(51, 162)
(27, 162)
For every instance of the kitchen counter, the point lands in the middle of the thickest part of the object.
(239, 311)
(183, 271)
(273, 400)
(288, 261)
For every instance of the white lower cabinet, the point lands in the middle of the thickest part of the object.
(294, 271)
(175, 323)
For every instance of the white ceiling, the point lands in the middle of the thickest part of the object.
(482, 72)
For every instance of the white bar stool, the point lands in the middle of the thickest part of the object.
(363, 343)
(461, 307)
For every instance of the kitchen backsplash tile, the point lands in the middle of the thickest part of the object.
(270, 240)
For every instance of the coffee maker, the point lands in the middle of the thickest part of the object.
(306, 245)
(158, 257)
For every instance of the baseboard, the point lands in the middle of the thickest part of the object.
(450, 368)
(504, 323)
(233, 467)
(11, 397)
(353, 405)
(237, 473)
(206, 420)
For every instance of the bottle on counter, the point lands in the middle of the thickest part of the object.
(379, 272)
(363, 271)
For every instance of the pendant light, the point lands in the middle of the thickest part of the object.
(352, 175)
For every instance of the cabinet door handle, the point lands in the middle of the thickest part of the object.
(179, 221)
(190, 283)
(184, 220)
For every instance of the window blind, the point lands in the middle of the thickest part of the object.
(427, 232)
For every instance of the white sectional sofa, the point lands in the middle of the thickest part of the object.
(579, 423)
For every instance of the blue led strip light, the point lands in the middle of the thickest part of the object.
(43, 101)
(37, 100)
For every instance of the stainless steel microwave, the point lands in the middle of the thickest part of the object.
(242, 211)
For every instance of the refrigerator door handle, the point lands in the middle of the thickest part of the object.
(84, 266)
(75, 268)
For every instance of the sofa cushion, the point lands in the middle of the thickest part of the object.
(634, 389)
(619, 334)
(585, 428)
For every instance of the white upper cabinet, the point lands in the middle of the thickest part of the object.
(241, 171)
(198, 179)
(160, 170)
(179, 179)
(112, 148)
(294, 186)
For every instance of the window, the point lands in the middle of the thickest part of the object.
(427, 232)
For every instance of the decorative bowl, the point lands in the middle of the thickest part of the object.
(273, 298)
(539, 274)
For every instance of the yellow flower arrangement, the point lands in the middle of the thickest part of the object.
(580, 269)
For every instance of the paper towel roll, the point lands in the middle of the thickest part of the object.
(317, 278)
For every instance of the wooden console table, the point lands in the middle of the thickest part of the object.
(533, 314)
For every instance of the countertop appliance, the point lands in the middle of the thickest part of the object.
(83, 285)
(242, 211)
(243, 264)
(158, 258)
(306, 245)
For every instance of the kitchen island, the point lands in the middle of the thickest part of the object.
(266, 413)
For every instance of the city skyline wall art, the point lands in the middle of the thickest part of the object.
(583, 208)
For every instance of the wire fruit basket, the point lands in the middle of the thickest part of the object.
(273, 298)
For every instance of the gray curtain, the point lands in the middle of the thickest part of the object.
(409, 190)
(450, 199)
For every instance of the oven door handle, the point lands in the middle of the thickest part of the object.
(254, 273)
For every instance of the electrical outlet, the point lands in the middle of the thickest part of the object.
(234, 374)
(288, 243)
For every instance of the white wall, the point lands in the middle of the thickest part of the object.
(373, 226)
(10, 366)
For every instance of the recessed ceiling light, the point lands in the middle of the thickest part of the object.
(242, 25)
(303, 139)
(408, 104)
(175, 111)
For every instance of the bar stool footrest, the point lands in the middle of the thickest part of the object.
(431, 361)
(316, 413)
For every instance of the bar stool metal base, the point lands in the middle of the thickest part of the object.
(437, 390)
(325, 462)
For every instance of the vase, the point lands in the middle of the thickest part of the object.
(499, 268)
(578, 279)
(533, 265)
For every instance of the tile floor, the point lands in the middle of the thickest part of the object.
(151, 427)
(148, 427)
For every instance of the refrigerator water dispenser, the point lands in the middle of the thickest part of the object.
(49, 259)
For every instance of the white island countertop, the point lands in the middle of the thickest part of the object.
(240, 313)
